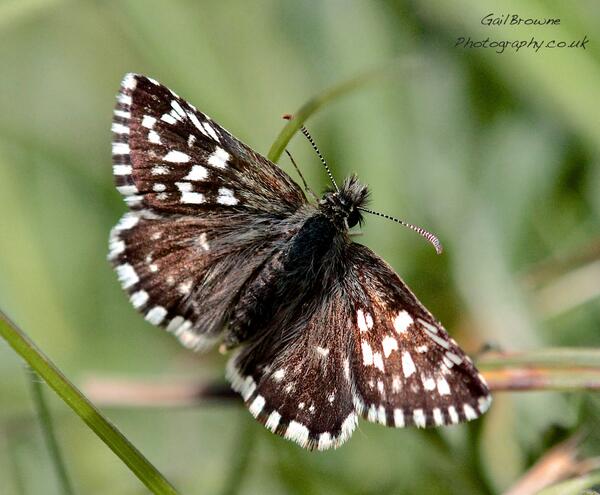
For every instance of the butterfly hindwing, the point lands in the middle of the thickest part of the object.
(173, 159)
(406, 368)
(301, 390)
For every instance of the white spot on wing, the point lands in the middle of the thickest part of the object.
(279, 374)
(381, 418)
(129, 81)
(438, 418)
(175, 156)
(202, 240)
(159, 170)
(273, 421)
(378, 361)
(297, 432)
(156, 315)
(148, 121)
(175, 323)
(116, 246)
(120, 149)
(402, 321)
(484, 403)
(453, 415)
(198, 172)
(419, 418)
(219, 158)
(158, 187)
(322, 351)
(122, 169)
(184, 186)
(139, 298)
(192, 198)
(197, 123)
(428, 326)
(442, 386)
(119, 128)
(399, 418)
(177, 107)
(257, 404)
(127, 275)
(456, 359)
(469, 412)
(168, 118)
(127, 190)
(428, 383)
(408, 365)
(184, 288)
(325, 441)
(226, 197)
(124, 99)
(367, 353)
(128, 221)
(389, 344)
(211, 131)
(360, 319)
(153, 137)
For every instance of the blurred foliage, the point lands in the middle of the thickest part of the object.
(496, 153)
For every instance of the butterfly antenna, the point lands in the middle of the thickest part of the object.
(314, 145)
(306, 187)
(419, 230)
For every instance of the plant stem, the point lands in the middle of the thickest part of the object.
(109, 434)
(49, 434)
(315, 103)
(242, 451)
(542, 358)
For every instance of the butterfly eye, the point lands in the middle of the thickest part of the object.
(353, 218)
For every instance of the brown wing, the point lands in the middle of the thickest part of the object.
(359, 344)
(171, 158)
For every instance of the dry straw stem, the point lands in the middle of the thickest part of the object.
(558, 464)
(565, 369)
(546, 369)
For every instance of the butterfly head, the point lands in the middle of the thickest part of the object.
(342, 205)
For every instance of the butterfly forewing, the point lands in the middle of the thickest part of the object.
(206, 211)
(171, 158)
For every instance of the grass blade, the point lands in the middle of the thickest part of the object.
(49, 434)
(109, 434)
(394, 68)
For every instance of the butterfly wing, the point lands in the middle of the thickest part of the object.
(206, 211)
(405, 367)
(295, 380)
(173, 159)
(360, 344)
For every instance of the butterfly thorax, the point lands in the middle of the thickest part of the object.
(313, 253)
(342, 206)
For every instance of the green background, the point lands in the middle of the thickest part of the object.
(496, 153)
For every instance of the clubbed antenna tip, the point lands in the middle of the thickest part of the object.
(419, 230)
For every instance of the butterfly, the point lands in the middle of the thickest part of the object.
(221, 246)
